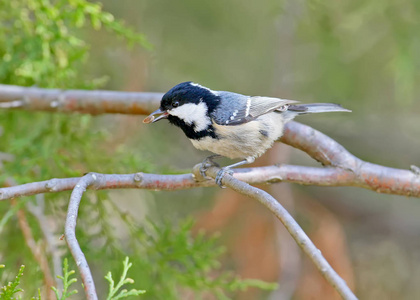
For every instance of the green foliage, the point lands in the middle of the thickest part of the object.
(168, 259)
(40, 43)
(67, 282)
(9, 291)
(172, 262)
(113, 289)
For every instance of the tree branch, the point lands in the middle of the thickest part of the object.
(292, 227)
(82, 101)
(70, 234)
(353, 171)
(347, 170)
(96, 181)
(408, 184)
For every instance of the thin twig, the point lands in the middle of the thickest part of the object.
(70, 234)
(294, 229)
(37, 253)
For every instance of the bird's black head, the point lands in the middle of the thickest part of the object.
(189, 92)
(188, 105)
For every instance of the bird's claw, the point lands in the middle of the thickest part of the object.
(222, 172)
(205, 165)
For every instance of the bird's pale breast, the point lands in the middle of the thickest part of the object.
(251, 139)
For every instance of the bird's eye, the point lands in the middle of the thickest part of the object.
(175, 104)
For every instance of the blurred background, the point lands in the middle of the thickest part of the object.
(364, 55)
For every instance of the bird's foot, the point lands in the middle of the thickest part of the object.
(206, 164)
(222, 172)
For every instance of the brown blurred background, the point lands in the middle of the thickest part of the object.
(364, 55)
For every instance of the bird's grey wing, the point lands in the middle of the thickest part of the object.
(262, 105)
(245, 109)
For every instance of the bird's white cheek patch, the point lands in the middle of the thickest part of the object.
(192, 113)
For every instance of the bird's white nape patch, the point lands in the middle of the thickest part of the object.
(203, 87)
(195, 114)
(248, 106)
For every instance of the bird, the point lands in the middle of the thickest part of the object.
(229, 124)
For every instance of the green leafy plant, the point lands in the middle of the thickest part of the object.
(42, 42)
(114, 289)
(39, 42)
(9, 291)
(172, 262)
(67, 282)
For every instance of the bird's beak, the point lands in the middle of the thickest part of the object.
(151, 118)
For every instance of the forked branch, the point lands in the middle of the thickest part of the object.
(342, 169)
(292, 227)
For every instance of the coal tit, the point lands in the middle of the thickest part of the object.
(230, 124)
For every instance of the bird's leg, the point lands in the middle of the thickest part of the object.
(207, 163)
(227, 170)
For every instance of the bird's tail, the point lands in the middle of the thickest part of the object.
(316, 108)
